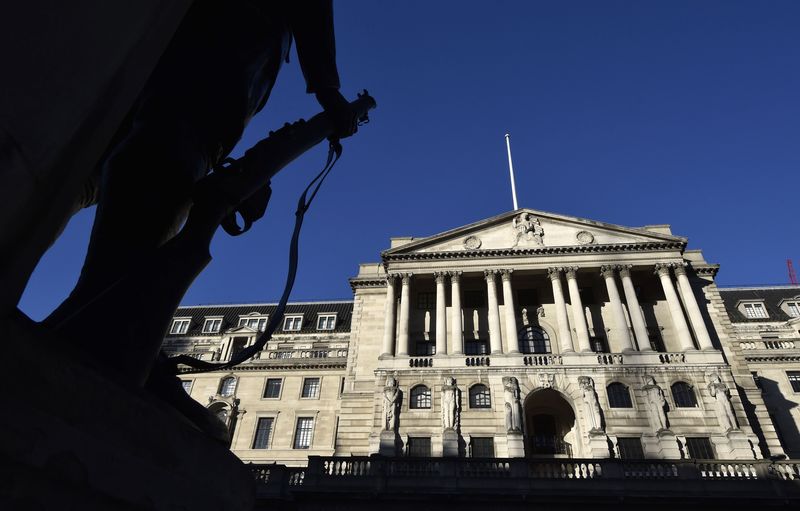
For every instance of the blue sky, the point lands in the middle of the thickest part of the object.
(633, 113)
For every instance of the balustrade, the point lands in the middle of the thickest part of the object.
(476, 361)
(672, 358)
(609, 359)
(720, 470)
(649, 470)
(420, 362)
(542, 360)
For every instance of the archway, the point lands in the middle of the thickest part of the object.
(550, 428)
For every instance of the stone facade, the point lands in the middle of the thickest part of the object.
(529, 334)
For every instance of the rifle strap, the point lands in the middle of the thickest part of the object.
(200, 366)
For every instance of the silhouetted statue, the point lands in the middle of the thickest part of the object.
(216, 74)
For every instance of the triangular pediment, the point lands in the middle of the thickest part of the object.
(526, 229)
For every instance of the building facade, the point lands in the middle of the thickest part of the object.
(526, 335)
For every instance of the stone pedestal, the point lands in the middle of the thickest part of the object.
(598, 444)
(734, 446)
(516, 444)
(78, 441)
(664, 445)
(450, 443)
(388, 443)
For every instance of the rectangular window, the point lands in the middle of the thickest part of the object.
(310, 387)
(187, 385)
(426, 301)
(630, 448)
(476, 348)
(256, 323)
(474, 299)
(700, 448)
(273, 388)
(180, 326)
(598, 344)
(212, 325)
(326, 321)
(794, 380)
(419, 447)
(755, 310)
(237, 345)
(794, 309)
(263, 431)
(482, 447)
(302, 434)
(425, 348)
(292, 323)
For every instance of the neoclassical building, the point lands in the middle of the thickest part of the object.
(526, 335)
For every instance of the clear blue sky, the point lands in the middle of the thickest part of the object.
(679, 112)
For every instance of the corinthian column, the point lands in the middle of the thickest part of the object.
(634, 311)
(456, 327)
(695, 317)
(511, 318)
(678, 321)
(389, 316)
(494, 313)
(578, 315)
(405, 307)
(441, 314)
(564, 335)
(622, 336)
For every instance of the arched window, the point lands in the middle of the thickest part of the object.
(618, 395)
(479, 396)
(420, 397)
(533, 339)
(683, 395)
(228, 386)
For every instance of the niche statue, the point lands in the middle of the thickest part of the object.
(722, 402)
(591, 408)
(391, 399)
(449, 404)
(513, 408)
(655, 404)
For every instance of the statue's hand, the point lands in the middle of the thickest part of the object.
(345, 120)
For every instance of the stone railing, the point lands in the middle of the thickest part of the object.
(542, 360)
(672, 358)
(772, 344)
(609, 359)
(476, 361)
(315, 353)
(420, 362)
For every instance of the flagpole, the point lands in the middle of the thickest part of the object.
(511, 172)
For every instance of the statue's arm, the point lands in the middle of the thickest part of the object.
(312, 26)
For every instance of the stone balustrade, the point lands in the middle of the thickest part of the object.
(770, 344)
(313, 353)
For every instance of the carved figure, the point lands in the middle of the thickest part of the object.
(391, 398)
(540, 311)
(655, 404)
(722, 402)
(513, 408)
(449, 404)
(527, 228)
(546, 380)
(591, 406)
(525, 320)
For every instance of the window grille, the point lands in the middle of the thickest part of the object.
(480, 396)
(273, 388)
(302, 434)
(310, 387)
(534, 340)
(755, 310)
(263, 431)
(420, 397)
(228, 386)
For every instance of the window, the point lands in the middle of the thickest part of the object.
(794, 309)
(258, 323)
(263, 431)
(310, 387)
(187, 385)
(630, 448)
(272, 390)
(420, 397)
(480, 396)
(474, 299)
(700, 448)
(654, 336)
(237, 345)
(598, 344)
(482, 447)
(302, 434)
(794, 380)
(292, 323)
(424, 348)
(534, 340)
(426, 301)
(476, 348)
(326, 321)
(180, 326)
(228, 386)
(212, 325)
(619, 396)
(683, 394)
(755, 310)
(419, 447)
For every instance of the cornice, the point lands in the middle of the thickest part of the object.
(711, 270)
(356, 283)
(772, 358)
(278, 364)
(522, 252)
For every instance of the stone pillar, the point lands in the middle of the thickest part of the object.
(578, 316)
(511, 318)
(693, 309)
(634, 311)
(678, 321)
(405, 308)
(389, 316)
(441, 314)
(494, 313)
(564, 335)
(456, 327)
(622, 335)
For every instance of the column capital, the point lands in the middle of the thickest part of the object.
(406, 278)
(571, 272)
(393, 275)
(455, 275)
(489, 275)
(662, 269)
(506, 274)
(554, 272)
(625, 270)
(440, 276)
(680, 268)
(608, 270)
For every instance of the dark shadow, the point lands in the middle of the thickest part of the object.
(780, 411)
